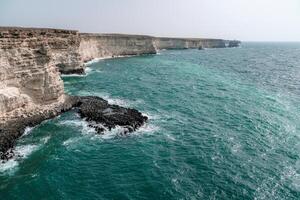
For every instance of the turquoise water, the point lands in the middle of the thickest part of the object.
(224, 124)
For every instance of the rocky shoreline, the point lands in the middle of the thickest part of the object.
(96, 111)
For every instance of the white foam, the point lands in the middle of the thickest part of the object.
(95, 60)
(8, 166)
(45, 139)
(21, 153)
(27, 131)
(114, 100)
(119, 131)
(147, 128)
(171, 137)
(80, 123)
(151, 116)
(70, 141)
(73, 75)
(112, 133)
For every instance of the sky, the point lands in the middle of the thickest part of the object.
(247, 20)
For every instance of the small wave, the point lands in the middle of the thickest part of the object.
(109, 134)
(70, 141)
(147, 128)
(73, 75)
(21, 153)
(119, 131)
(95, 60)
(170, 137)
(87, 70)
(121, 102)
(151, 116)
(80, 123)
(27, 131)
(114, 100)
(45, 139)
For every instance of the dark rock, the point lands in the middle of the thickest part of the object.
(95, 109)
(100, 115)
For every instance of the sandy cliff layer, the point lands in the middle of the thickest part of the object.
(184, 43)
(110, 45)
(28, 69)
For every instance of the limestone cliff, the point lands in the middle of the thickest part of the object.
(186, 43)
(110, 45)
(29, 73)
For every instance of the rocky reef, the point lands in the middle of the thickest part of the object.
(103, 116)
(95, 110)
(32, 60)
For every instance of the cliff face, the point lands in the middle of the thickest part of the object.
(111, 45)
(29, 74)
(185, 43)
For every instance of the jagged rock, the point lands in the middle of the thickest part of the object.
(95, 109)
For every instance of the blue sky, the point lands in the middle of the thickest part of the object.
(248, 20)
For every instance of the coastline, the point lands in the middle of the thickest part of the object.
(33, 59)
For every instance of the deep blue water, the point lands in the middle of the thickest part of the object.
(224, 124)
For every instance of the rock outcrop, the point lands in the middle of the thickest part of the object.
(99, 114)
(103, 116)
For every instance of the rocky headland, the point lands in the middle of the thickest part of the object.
(32, 60)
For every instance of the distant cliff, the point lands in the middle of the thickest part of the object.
(110, 45)
(186, 43)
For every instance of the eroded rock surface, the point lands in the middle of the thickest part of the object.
(95, 110)
(30, 60)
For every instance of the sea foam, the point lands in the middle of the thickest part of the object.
(21, 153)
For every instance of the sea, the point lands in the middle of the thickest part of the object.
(223, 124)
